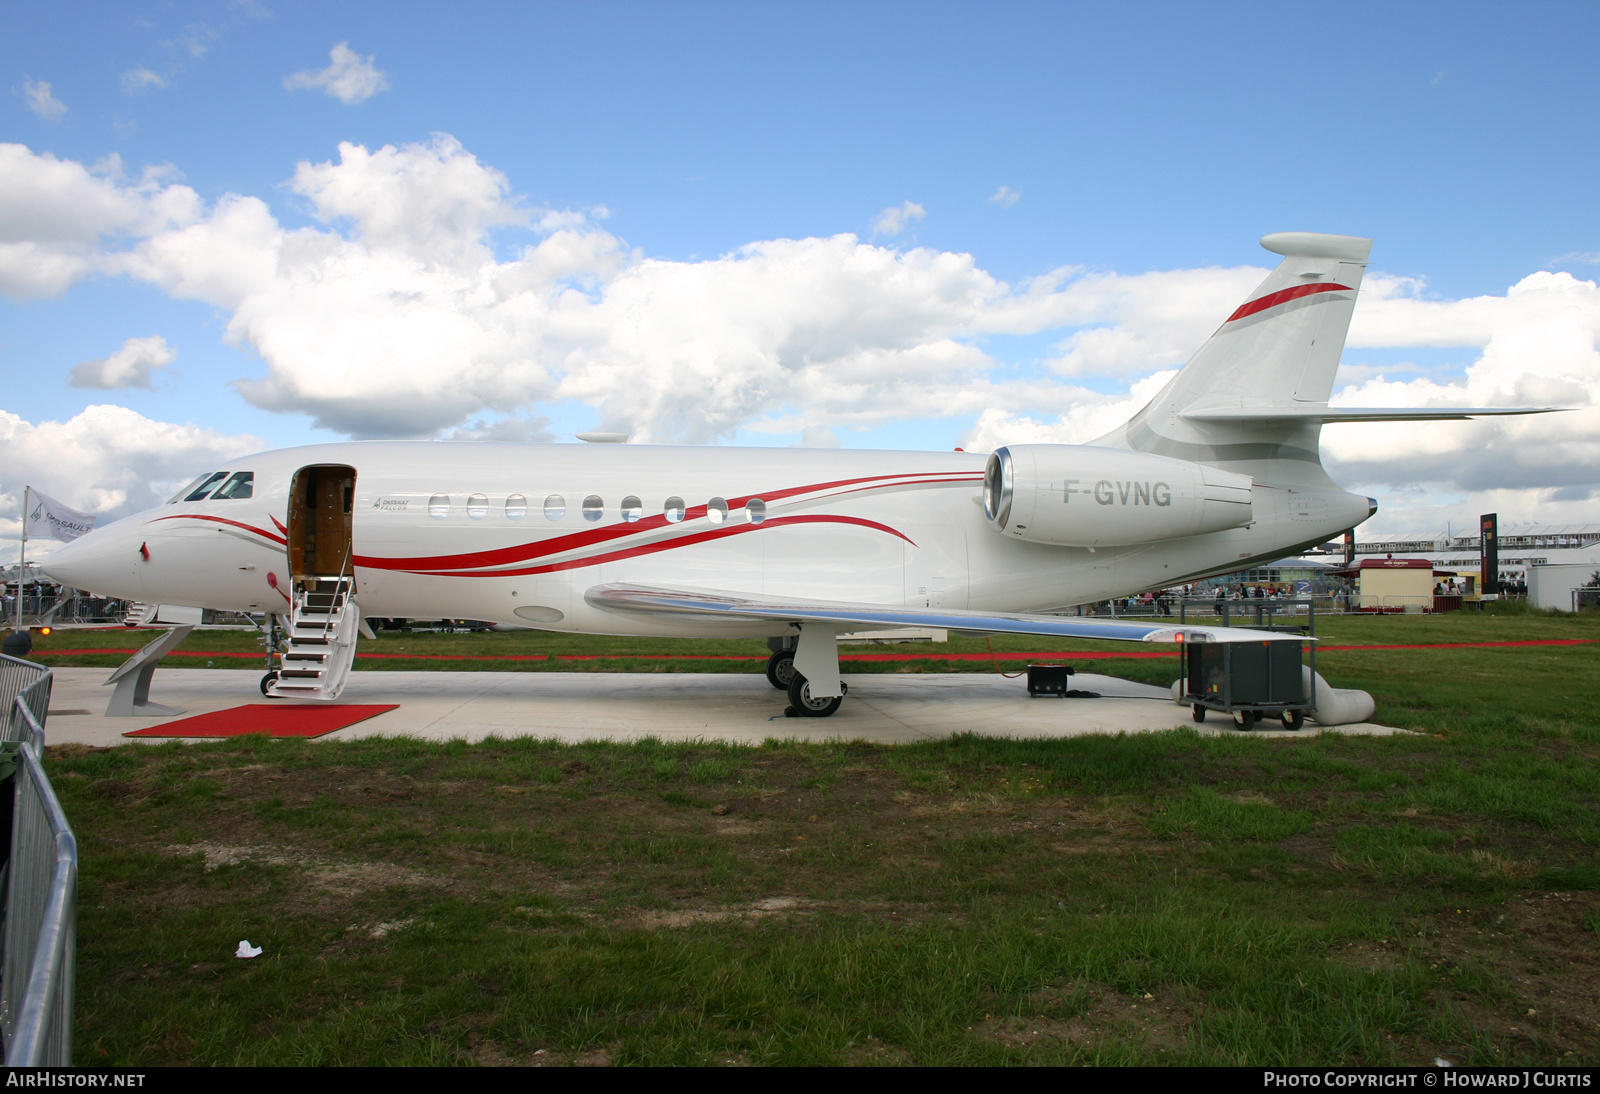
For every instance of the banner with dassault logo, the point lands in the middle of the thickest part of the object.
(48, 517)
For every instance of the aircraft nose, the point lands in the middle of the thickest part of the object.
(102, 562)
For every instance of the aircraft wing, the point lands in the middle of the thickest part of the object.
(709, 606)
(1327, 414)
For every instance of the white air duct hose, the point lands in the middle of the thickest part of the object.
(1335, 706)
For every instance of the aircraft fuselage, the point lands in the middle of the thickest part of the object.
(516, 533)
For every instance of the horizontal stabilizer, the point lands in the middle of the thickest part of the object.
(1326, 414)
(714, 607)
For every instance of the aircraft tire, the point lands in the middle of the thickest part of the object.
(804, 705)
(267, 681)
(780, 669)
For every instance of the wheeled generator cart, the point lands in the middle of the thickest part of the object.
(1250, 680)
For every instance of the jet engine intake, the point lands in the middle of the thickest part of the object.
(1076, 495)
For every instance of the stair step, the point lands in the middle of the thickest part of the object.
(316, 634)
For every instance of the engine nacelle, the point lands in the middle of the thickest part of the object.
(1078, 495)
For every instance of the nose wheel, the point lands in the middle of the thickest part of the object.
(267, 681)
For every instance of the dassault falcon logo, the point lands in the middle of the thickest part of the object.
(390, 505)
(1107, 492)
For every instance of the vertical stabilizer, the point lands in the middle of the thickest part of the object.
(1280, 348)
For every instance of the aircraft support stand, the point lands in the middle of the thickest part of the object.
(132, 677)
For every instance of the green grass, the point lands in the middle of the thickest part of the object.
(1311, 900)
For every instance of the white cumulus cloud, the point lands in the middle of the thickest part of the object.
(897, 218)
(39, 99)
(1537, 347)
(137, 79)
(132, 365)
(107, 460)
(58, 216)
(1005, 197)
(350, 77)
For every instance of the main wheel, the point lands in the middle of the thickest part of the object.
(807, 707)
(780, 669)
(1199, 713)
(1244, 720)
(1294, 719)
(267, 681)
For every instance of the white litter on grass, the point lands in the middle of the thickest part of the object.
(247, 950)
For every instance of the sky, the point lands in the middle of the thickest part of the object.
(228, 227)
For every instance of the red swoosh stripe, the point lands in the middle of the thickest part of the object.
(576, 540)
(666, 545)
(224, 520)
(1283, 296)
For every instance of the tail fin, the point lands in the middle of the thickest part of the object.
(1280, 349)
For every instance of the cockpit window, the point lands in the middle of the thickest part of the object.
(205, 485)
(179, 496)
(242, 485)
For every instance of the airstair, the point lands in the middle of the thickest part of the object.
(323, 624)
(139, 613)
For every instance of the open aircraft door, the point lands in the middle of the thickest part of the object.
(321, 504)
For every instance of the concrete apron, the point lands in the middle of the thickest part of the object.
(883, 708)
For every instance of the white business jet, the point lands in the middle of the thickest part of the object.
(1220, 471)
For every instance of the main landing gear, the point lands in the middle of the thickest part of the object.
(780, 669)
(804, 705)
(817, 648)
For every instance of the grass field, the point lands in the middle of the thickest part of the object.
(1161, 898)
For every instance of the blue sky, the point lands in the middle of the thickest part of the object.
(1138, 139)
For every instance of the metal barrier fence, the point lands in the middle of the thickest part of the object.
(41, 888)
(55, 609)
(1163, 607)
(29, 682)
(1298, 614)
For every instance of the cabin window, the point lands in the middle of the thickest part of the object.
(241, 486)
(716, 510)
(632, 509)
(555, 507)
(755, 510)
(205, 487)
(439, 506)
(181, 494)
(516, 507)
(674, 509)
(477, 506)
(593, 508)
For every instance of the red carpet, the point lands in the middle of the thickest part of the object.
(273, 719)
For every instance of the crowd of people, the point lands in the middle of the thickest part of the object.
(1165, 601)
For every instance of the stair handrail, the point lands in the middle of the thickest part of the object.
(338, 585)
